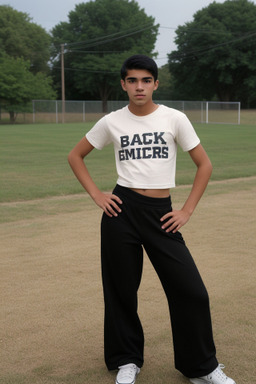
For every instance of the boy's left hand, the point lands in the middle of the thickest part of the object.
(176, 220)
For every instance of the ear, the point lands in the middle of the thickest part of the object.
(156, 85)
(123, 85)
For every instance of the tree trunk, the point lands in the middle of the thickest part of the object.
(105, 91)
(105, 105)
(13, 116)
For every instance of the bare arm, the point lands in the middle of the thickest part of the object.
(76, 157)
(204, 169)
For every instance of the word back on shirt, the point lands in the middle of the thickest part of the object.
(150, 145)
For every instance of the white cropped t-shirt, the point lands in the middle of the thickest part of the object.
(145, 146)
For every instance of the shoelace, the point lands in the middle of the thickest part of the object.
(127, 372)
(219, 373)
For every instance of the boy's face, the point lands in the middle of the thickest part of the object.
(139, 85)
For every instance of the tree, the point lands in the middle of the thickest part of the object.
(100, 34)
(20, 37)
(24, 57)
(215, 56)
(18, 85)
(164, 90)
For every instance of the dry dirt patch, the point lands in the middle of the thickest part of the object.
(51, 294)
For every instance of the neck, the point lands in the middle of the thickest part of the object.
(142, 110)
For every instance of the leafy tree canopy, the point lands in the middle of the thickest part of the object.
(165, 84)
(98, 37)
(20, 37)
(215, 57)
(18, 85)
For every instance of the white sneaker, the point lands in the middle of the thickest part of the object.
(215, 377)
(127, 374)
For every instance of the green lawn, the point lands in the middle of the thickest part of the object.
(33, 158)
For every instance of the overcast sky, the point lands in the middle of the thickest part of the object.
(168, 13)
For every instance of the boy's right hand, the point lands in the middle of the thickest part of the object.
(107, 202)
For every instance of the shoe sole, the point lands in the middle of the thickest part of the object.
(133, 382)
(199, 381)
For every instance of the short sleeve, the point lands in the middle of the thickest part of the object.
(99, 135)
(185, 135)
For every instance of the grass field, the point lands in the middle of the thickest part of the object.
(34, 158)
(51, 295)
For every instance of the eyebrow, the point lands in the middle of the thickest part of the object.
(144, 78)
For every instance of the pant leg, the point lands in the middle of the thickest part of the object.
(187, 298)
(122, 260)
(186, 294)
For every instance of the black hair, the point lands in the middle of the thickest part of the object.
(139, 62)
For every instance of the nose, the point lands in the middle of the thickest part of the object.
(139, 86)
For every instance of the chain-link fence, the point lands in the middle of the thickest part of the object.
(56, 111)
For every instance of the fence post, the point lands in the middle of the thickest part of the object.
(239, 113)
(34, 113)
(207, 106)
(56, 102)
(83, 111)
(63, 83)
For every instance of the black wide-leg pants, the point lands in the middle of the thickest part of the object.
(122, 259)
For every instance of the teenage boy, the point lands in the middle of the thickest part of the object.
(139, 213)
